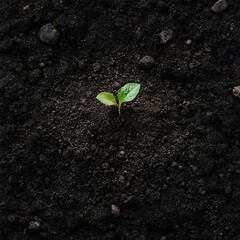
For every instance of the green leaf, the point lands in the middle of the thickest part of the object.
(106, 98)
(128, 92)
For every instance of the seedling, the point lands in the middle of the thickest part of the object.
(125, 94)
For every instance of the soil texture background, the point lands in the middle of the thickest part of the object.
(167, 169)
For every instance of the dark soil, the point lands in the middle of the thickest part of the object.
(171, 163)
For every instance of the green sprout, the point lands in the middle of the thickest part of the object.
(125, 94)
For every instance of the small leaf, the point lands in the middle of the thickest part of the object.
(128, 92)
(106, 98)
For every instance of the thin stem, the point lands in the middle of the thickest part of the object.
(119, 109)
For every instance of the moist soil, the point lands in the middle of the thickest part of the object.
(71, 168)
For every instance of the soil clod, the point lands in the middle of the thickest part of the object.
(48, 34)
(220, 6)
(115, 210)
(166, 35)
(147, 62)
(34, 226)
(236, 91)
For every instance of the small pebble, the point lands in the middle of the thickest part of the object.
(48, 34)
(174, 164)
(121, 179)
(41, 65)
(26, 8)
(34, 225)
(236, 91)
(115, 210)
(146, 62)
(189, 41)
(122, 152)
(219, 6)
(166, 35)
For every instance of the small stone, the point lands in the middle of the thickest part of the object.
(166, 35)
(26, 8)
(146, 62)
(122, 152)
(48, 34)
(163, 238)
(189, 41)
(105, 165)
(187, 103)
(34, 226)
(180, 167)
(121, 179)
(236, 91)
(115, 210)
(174, 164)
(219, 6)
(228, 189)
(41, 65)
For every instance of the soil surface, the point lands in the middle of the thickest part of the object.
(70, 168)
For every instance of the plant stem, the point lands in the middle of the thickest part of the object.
(119, 109)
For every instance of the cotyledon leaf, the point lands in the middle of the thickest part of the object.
(106, 98)
(128, 92)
